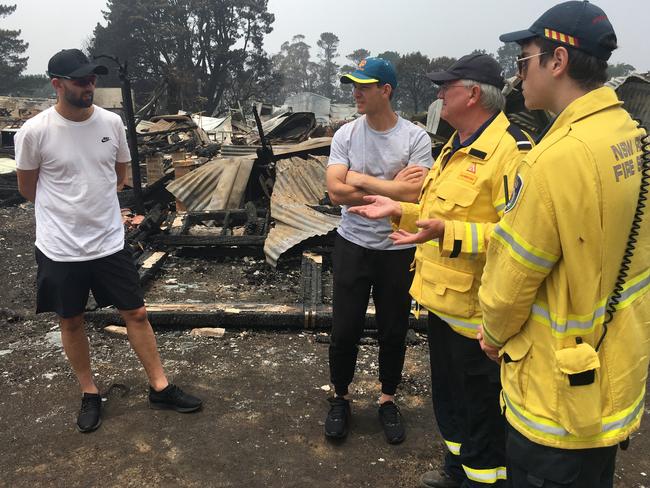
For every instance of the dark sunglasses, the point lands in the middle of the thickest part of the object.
(522, 62)
(85, 81)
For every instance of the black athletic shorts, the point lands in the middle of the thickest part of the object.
(63, 287)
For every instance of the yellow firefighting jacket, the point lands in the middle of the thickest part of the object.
(551, 268)
(466, 190)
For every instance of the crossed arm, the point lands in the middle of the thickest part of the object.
(347, 187)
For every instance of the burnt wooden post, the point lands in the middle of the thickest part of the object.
(312, 286)
(131, 134)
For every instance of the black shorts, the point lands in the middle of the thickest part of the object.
(63, 287)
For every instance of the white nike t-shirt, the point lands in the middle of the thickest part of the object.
(77, 210)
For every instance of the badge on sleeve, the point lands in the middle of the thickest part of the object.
(516, 191)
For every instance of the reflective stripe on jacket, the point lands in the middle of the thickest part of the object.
(466, 190)
(551, 269)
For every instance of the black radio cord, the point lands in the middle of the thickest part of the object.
(634, 233)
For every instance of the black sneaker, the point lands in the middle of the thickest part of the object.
(338, 418)
(90, 414)
(173, 398)
(391, 420)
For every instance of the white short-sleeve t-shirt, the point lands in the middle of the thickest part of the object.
(382, 155)
(77, 210)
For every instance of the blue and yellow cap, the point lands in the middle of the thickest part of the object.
(373, 70)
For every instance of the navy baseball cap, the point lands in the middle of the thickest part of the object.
(373, 70)
(72, 63)
(476, 67)
(578, 24)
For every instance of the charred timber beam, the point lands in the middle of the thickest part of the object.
(237, 315)
(220, 252)
(208, 241)
(150, 225)
(238, 214)
(149, 264)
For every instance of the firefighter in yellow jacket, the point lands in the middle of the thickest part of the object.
(573, 390)
(463, 196)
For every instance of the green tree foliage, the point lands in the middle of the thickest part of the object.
(415, 90)
(355, 58)
(619, 69)
(294, 67)
(392, 56)
(440, 63)
(37, 86)
(12, 48)
(507, 58)
(207, 51)
(328, 69)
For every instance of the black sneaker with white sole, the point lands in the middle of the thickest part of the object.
(338, 418)
(90, 413)
(173, 398)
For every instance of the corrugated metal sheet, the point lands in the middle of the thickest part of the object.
(310, 102)
(233, 150)
(286, 128)
(308, 145)
(343, 111)
(216, 185)
(634, 91)
(299, 182)
(230, 150)
(219, 128)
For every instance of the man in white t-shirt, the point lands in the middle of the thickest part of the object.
(378, 153)
(71, 160)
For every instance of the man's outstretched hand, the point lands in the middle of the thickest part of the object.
(430, 229)
(378, 207)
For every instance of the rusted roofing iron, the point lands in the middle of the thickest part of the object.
(634, 91)
(299, 183)
(287, 127)
(218, 184)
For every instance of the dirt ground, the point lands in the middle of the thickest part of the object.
(265, 397)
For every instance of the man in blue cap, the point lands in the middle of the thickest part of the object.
(462, 199)
(382, 153)
(565, 290)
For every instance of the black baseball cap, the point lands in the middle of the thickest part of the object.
(476, 67)
(578, 24)
(72, 63)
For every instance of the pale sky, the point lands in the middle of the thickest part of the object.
(433, 27)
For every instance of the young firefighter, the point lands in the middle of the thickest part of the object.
(572, 390)
(71, 159)
(462, 198)
(379, 152)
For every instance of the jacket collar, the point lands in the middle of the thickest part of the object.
(483, 147)
(584, 106)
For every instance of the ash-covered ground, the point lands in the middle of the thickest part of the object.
(265, 394)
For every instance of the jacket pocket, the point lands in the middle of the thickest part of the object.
(515, 361)
(447, 290)
(578, 385)
(452, 195)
